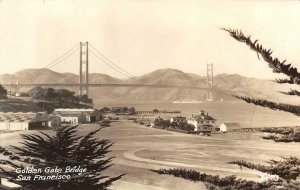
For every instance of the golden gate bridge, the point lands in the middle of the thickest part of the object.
(85, 49)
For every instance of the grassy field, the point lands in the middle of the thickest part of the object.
(138, 149)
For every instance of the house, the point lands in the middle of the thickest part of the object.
(14, 121)
(105, 110)
(54, 121)
(202, 122)
(78, 115)
(178, 120)
(226, 127)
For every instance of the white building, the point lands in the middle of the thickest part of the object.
(75, 115)
(13, 121)
(202, 122)
(73, 118)
(178, 119)
(225, 127)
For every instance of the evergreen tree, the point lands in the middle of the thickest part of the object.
(64, 149)
(3, 92)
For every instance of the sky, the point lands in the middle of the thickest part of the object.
(141, 36)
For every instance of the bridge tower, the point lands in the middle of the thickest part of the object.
(84, 69)
(210, 82)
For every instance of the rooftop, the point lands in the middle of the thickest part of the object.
(232, 125)
(202, 116)
(17, 117)
(74, 109)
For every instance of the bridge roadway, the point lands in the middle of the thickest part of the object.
(108, 85)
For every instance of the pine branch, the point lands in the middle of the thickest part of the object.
(229, 182)
(284, 81)
(272, 105)
(287, 169)
(274, 63)
(292, 92)
(108, 182)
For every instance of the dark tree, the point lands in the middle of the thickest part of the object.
(37, 93)
(131, 110)
(64, 95)
(64, 149)
(3, 92)
(85, 99)
(61, 97)
(124, 110)
(50, 94)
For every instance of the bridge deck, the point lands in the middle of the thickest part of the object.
(108, 85)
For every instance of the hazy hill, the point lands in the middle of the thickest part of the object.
(224, 83)
(7, 78)
(101, 78)
(49, 76)
(166, 76)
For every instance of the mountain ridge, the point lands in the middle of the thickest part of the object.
(233, 83)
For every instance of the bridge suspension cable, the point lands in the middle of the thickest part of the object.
(67, 55)
(104, 61)
(56, 61)
(109, 62)
(60, 57)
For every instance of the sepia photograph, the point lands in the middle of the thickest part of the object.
(149, 95)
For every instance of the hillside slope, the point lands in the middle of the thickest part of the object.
(224, 84)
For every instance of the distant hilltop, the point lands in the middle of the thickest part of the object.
(232, 83)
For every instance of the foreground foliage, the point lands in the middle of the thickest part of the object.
(226, 183)
(277, 130)
(286, 134)
(64, 149)
(277, 66)
(288, 168)
(284, 138)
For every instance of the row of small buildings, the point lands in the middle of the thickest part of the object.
(12, 121)
(205, 123)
